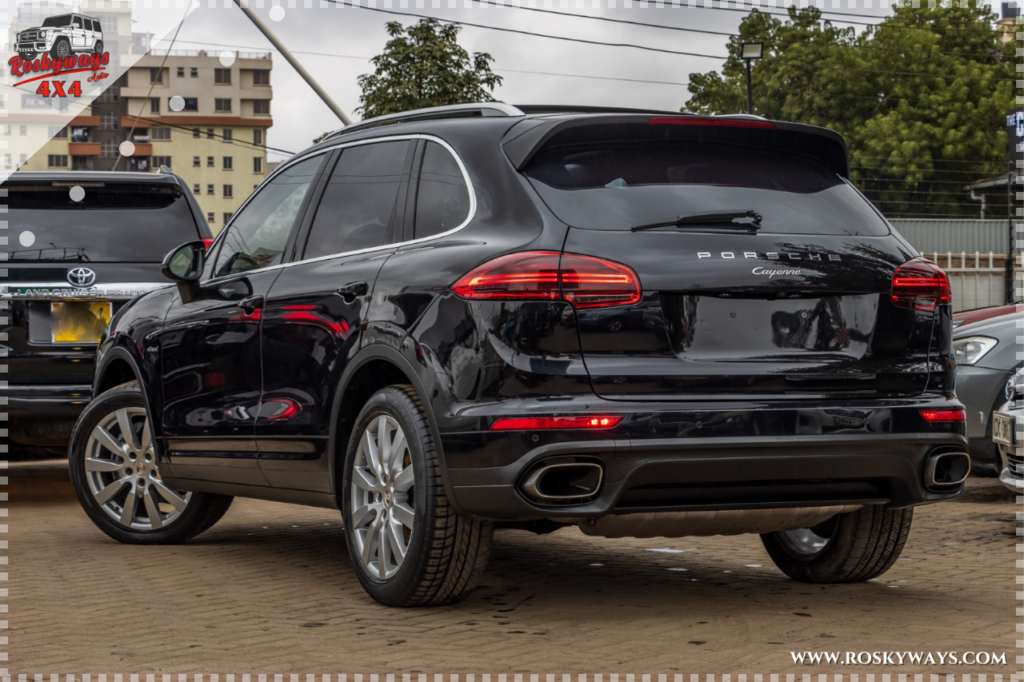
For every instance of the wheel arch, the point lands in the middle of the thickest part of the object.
(116, 367)
(373, 368)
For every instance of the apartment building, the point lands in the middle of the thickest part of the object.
(204, 117)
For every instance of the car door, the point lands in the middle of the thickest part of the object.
(210, 361)
(92, 35)
(315, 315)
(77, 33)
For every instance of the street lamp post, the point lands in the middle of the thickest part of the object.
(748, 53)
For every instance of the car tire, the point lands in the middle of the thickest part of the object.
(110, 472)
(27, 56)
(848, 548)
(61, 49)
(98, 47)
(393, 499)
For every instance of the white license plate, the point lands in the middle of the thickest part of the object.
(1002, 428)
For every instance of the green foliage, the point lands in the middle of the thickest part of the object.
(424, 66)
(909, 134)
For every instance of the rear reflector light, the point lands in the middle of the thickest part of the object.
(584, 281)
(547, 423)
(207, 243)
(920, 284)
(944, 415)
(718, 122)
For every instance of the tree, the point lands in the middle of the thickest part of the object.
(424, 66)
(921, 98)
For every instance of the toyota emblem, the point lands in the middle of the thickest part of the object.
(82, 277)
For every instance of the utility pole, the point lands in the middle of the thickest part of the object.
(748, 53)
(295, 64)
(750, 94)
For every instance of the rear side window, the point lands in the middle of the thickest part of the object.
(113, 222)
(442, 199)
(359, 200)
(621, 180)
(259, 232)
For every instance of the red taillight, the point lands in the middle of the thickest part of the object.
(719, 122)
(944, 415)
(920, 284)
(207, 243)
(527, 276)
(546, 423)
(584, 281)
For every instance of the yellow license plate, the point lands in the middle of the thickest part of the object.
(79, 321)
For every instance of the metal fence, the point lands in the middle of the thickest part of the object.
(929, 236)
(977, 279)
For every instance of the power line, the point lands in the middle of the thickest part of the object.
(348, 3)
(179, 126)
(746, 7)
(503, 70)
(152, 85)
(504, 29)
(502, 5)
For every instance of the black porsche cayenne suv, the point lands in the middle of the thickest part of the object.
(635, 322)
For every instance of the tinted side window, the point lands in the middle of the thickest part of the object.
(442, 200)
(359, 199)
(259, 232)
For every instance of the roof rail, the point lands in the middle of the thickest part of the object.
(473, 110)
(584, 109)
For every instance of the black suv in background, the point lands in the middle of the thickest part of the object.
(635, 322)
(80, 246)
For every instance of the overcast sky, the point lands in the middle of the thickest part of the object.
(346, 38)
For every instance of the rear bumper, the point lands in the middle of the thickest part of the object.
(759, 458)
(44, 415)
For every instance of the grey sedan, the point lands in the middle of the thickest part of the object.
(986, 355)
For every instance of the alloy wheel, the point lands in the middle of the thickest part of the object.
(809, 541)
(63, 49)
(382, 501)
(121, 470)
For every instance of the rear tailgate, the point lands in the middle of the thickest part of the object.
(799, 308)
(73, 264)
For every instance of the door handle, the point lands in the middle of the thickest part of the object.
(354, 289)
(252, 303)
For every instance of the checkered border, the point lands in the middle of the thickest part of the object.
(6, 7)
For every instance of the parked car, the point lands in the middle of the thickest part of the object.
(61, 36)
(73, 265)
(981, 314)
(1006, 433)
(413, 322)
(986, 356)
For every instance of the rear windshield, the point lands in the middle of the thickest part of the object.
(618, 184)
(134, 222)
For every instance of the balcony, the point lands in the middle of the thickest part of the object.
(84, 148)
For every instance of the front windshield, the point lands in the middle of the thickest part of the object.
(62, 20)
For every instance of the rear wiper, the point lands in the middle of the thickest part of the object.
(725, 217)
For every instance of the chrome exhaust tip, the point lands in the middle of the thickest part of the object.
(947, 469)
(563, 482)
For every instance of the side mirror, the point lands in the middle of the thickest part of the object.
(185, 263)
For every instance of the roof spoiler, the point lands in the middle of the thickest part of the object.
(827, 146)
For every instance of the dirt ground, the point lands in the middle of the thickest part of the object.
(270, 590)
